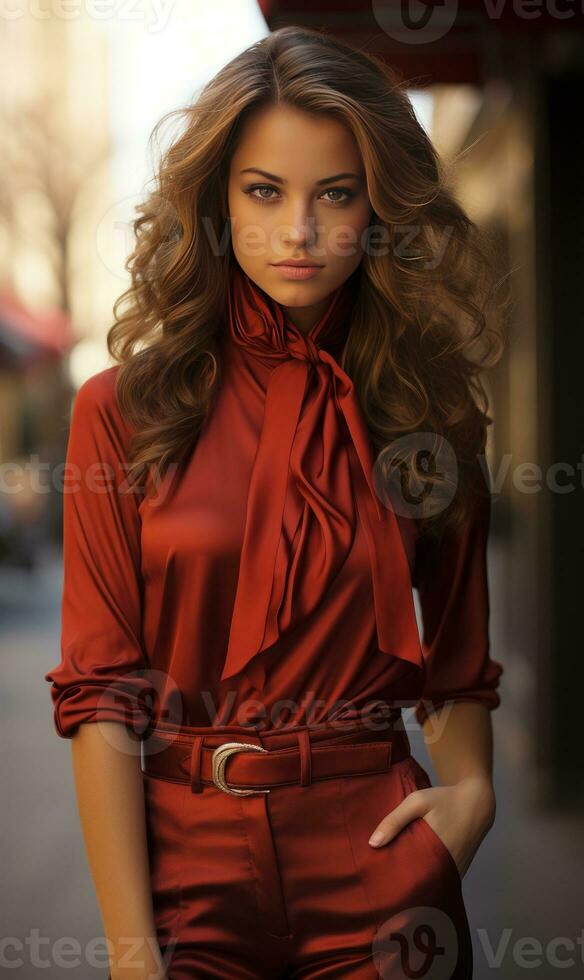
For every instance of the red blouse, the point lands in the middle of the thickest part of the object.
(264, 582)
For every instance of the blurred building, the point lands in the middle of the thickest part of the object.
(33, 414)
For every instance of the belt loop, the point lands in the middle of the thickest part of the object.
(196, 754)
(305, 757)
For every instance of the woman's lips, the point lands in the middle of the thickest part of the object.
(298, 271)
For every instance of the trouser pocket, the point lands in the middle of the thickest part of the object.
(411, 883)
(416, 777)
(165, 805)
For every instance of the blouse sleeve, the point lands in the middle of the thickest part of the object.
(100, 675)
(451, 579)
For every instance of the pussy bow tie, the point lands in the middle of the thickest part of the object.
(312, 479)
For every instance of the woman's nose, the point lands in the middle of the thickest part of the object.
(299, 221)
(299, 226)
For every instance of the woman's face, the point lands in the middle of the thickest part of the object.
(297, 190)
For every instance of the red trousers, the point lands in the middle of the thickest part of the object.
(285, 883)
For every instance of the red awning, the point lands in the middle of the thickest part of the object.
(36, 333)
(475, 33)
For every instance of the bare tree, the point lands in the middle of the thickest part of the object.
(44, 157)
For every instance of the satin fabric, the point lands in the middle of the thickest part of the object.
(286, 885)
(309, 487)
(263, 582)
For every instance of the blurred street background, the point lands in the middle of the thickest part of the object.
(500, 89)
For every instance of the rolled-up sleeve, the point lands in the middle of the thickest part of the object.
(452, 582)
(101, 673)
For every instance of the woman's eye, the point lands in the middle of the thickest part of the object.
(340, 190)
(260, 187)
(266, 189)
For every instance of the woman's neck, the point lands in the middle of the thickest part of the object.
(305, 317)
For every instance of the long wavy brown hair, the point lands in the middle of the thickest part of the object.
(422, 330)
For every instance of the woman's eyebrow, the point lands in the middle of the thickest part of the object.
(280, 180)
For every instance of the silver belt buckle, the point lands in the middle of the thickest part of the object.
(219, 761)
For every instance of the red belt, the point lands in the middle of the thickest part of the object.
(243, 761)
(248, 763)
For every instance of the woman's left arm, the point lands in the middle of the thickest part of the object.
(461, 810)
(460, 690)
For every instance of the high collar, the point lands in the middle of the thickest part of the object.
(259, 323)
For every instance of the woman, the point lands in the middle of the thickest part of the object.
(255, 489)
